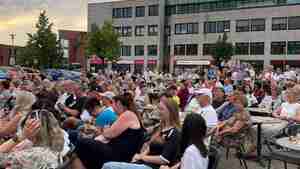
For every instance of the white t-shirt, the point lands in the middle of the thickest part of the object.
(192, 159)
(289, 110)
(210, 115)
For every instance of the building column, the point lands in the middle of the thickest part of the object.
(161, 29)
(132, 68)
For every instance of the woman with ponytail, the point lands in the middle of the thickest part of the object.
(193, 149)
(118, 142)
(164, 146)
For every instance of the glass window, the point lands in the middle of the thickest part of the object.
(192, 28)
(257, 48)
(139, 30)
(122, 12)
(192, 49)
(223, 26)
(140, 11)
(152, 50)
(180, 28)
(208, 49)
(278, 48)
(126, 31)
(139, 50)
(153, 10)
(242, 48)
(65, 55)
(242, 25)
(279, 24)
(293, 47)
(258, 25)
(179, 50)
(125, 50)
(210, 27)
(152, 30)
(294, 23)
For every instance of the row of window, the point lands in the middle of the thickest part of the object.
(139, 50)
(241, 48)
(245, 25)
(126, 31)
(217, 5)
(153, 10)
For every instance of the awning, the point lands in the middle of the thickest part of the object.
(96, 60)
(193, 62)
(141, 62)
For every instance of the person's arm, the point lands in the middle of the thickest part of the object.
(234, 129)
(118, 127)
(11, 126)
(31, 128)
(72, 112)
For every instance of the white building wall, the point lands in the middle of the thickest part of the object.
(103, 11)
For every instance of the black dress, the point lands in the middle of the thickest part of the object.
(168, 151)
(94, 154)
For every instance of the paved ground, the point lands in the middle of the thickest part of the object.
(233, 163)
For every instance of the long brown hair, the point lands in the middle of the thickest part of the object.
(173, 109)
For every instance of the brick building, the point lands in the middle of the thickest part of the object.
(5, 54)
(73, 43)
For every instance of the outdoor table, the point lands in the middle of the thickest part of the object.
(257, 111)
(287, 143)
(259, 121)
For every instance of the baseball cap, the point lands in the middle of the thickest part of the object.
(203, 91)
(108, 95)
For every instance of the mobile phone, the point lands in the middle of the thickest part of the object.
(35, 115)
(61, 106)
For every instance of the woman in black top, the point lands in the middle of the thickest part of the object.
(163, 146)
(117, 143)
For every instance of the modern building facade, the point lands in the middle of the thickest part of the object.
(73, 43)
(184, 32)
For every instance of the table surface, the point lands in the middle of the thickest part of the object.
(285, 142)
(266, 120)
(259, 110)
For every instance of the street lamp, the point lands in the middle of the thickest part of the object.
(12, 56)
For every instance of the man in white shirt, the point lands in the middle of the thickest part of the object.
(204, 97)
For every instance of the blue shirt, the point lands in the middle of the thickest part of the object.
(226, 112)
(228, 89)
(106, 118)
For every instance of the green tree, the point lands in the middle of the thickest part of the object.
(104, 42)
(224, 50)
(43, 49)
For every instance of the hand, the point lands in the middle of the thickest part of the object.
(31, 128)
(164, 167)
(136, 157)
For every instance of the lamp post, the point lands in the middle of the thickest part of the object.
(12, 57)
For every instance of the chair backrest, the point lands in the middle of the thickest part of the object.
(214, 158)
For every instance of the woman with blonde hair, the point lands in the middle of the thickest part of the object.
(40, 145)
(163, 148)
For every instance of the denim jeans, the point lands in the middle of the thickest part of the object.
(119, 165)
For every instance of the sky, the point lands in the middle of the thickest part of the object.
(19, 16)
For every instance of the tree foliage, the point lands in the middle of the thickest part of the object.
(224, 50)
(42, 49)
(104, 42)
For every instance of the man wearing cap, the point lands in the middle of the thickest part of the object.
(107, 116)
(204, 97)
